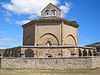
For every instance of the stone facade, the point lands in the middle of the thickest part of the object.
(50, 63)
(57, 33)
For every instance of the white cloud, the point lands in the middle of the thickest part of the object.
(65, 9)
(6, 39)
(28, 6)
(21, 22)
(32, 8)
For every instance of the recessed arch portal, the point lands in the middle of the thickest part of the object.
(49, 38)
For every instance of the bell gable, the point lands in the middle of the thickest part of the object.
(51, 10)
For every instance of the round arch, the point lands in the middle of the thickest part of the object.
(50, 38)
(70, 37)
(54, 12)
(47, 13)
(29, 53)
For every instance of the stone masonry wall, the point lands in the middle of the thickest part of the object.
(50, 63)
(95, 62)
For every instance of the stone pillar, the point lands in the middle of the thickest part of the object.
(22, 52)
(22, 55)
(35, 44)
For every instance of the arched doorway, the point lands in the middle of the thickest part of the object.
(29, 53)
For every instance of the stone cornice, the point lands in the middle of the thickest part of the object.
(53, 20)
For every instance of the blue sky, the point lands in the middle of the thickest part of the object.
(14, 14)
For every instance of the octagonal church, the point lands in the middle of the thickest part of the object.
(49, 36)
(50, 30)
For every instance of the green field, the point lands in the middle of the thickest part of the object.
(50, 71)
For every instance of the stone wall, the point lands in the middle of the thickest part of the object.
(51, 63)
(42, 52)
(95, 62)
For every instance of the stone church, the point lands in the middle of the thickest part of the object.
(50, 30)
(49, 36)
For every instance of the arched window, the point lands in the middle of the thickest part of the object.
(53, 12)
(47, 13)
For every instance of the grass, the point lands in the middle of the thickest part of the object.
(24, 71)
(9, 71)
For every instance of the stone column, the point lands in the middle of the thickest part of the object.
(22, 52)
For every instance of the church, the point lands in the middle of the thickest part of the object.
(50, 30)
(50, 36)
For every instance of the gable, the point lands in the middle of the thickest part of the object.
(50, 8)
